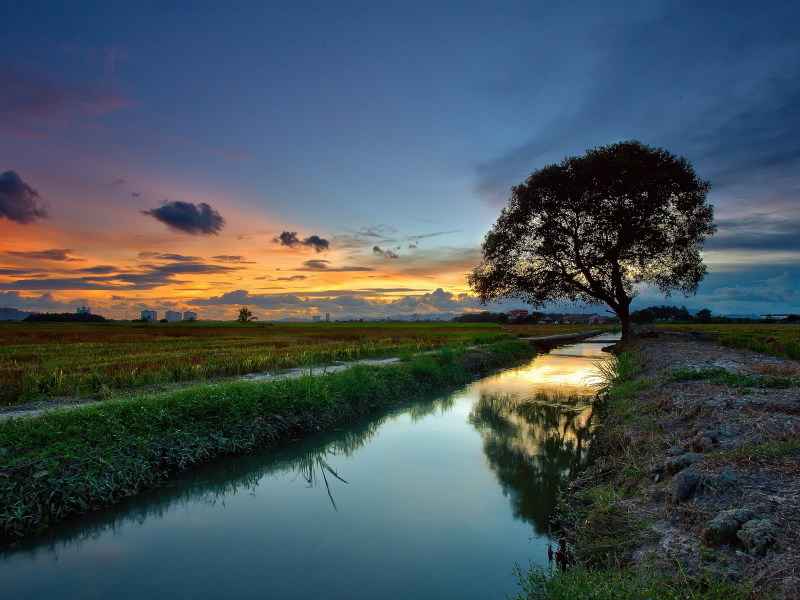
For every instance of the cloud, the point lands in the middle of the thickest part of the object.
(292, 278)
(44, 302)
(190, 144)
(18, 200)
(290, 239)
(170, 257)
(322, 265)
(724, 97)
(52, 254)
(117, 181)
(384, 253)
(135, 194)
(367, 236)
(232, 259)
(187, 217)
(27, 98)
(99, 269)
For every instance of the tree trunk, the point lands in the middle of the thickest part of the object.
(624, 315)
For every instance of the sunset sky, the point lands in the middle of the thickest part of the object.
(348, 157)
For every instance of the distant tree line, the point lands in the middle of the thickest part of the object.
(65, 318)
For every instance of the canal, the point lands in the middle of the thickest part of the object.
(436, 498)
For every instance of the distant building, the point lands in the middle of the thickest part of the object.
(84, 310)
(575, 319)
(149, 315)
(316, 319)
(189, 316)
(598, 320)
(172, 316)
(513, 315)
(327, 317)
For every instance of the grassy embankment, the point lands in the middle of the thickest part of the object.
(93, 360)
(68, 462)
(594, 508)
(779, 340)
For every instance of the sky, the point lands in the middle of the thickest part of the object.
(306, 157)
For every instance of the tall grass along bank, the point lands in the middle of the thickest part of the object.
(69, 462)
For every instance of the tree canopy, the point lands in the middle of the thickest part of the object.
(245, 316)
(589, 229)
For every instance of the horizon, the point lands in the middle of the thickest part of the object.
(303, 159)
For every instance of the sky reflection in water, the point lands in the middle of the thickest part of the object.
(418, 509)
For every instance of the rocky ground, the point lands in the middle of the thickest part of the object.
(706, 471)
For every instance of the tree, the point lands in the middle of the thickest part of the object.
(592, 227)
(643, 317)
(245, 316)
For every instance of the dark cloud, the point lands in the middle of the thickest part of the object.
(187, 217)
(292, 278)
(18, 200)
(99, 269)
(715, 85)
(756, 232)
(322, 265)
(135, 194)
(28, 98)
(232, 259)
(170, 257)
(384, 253)
(181, 268)
(290, 239)
(44, 302)
(117, 181)
(53, 254)
(18, 272)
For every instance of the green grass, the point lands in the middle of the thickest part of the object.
(721, 376)
(71, 461)
(579, 583)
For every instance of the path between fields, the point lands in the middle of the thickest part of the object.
(35, 409)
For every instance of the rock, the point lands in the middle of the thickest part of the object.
(676, 451)
(757, 535)
(713, 434)
(722, 479)
(677, 463)
(723, 528)
(685, 484)
(657, 496)
(702, 444)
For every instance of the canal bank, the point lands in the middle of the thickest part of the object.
(695, 489)
(432, 498)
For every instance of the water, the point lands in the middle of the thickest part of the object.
(434, 499)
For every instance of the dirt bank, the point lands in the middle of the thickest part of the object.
(698, 470)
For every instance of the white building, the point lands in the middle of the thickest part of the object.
(149, 315)
(189, 316)
(316, 319)
(84, 310)
(327, 317)
(172, 316)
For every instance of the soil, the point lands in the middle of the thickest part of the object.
(719, 483)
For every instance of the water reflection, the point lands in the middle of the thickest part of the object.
(533, 446)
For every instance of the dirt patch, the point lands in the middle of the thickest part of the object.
(707, 464)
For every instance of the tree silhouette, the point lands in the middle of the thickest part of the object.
(590, 228)
(245, 316)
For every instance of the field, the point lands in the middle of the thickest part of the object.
(93, 359)
(777, 339)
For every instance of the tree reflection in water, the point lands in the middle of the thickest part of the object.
(533, 446)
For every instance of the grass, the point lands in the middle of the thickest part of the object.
(779, 340)
(94, 359)
(721, 376)
(71, 461)
(579, 583)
